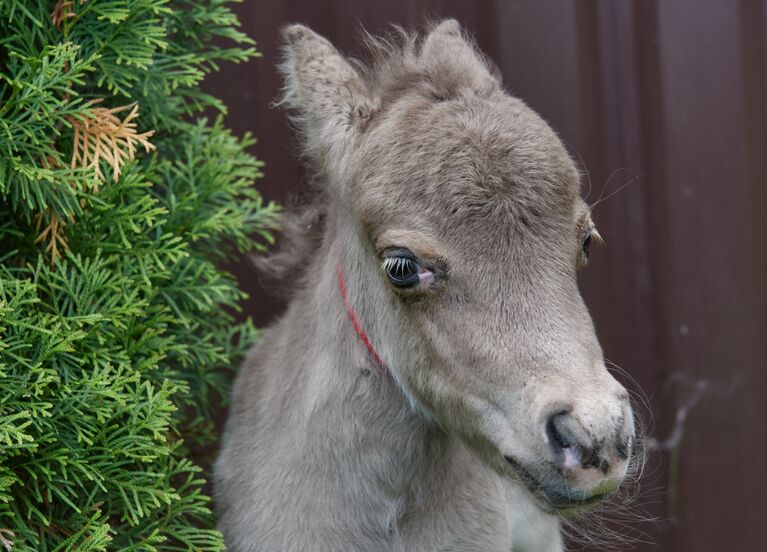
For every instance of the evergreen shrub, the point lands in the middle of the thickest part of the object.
(118, 204)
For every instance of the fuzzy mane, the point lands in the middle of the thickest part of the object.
(301, 229)
(393, 65)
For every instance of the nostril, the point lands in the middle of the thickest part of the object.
(570, 444)
(591, 459)
(559, 437)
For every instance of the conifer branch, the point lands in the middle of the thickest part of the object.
(7, 544)
(100, 135)
(63, 10)
(54, 227)
(103, 136)
(53, 232)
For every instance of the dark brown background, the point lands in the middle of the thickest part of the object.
(671, 96)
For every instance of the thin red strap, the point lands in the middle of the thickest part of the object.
(376, 358)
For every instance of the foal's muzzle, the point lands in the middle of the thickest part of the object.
(592, 460)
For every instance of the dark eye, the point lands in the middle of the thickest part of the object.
(590, 235)
(402, 268)
(587, 243)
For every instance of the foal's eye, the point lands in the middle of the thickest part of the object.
(589, 236)
(402, 268)
(587, 242)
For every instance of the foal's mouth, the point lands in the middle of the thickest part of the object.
(563, 503)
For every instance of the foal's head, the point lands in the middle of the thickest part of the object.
(461, 211)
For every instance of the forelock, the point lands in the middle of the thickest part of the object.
(396, 63)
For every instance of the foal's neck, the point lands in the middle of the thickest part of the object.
(360, 421)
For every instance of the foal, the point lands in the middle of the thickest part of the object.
(436, 382)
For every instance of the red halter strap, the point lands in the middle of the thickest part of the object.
(374, 356)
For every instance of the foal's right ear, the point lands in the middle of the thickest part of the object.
(331, 100)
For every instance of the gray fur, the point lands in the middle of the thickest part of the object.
(421, 148)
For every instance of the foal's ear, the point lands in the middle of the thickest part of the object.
(331, 101)
(454, 62)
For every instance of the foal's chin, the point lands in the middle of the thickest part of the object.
(556, 492)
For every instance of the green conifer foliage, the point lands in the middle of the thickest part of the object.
(118, 203)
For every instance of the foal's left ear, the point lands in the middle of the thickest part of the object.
(332, 102)
(454, 61)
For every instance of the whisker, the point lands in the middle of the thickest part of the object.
(635, 391)
(583, 164)
(607, 184)
(611, 194)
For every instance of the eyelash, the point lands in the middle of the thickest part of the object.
(398, 265)
(406, 271)
(590, 236)
(402, 269)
